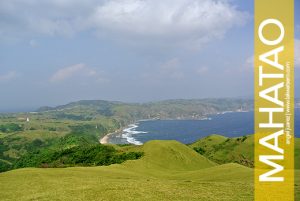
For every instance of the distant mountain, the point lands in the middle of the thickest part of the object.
(168, 109)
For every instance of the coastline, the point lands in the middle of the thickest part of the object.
(105, 138)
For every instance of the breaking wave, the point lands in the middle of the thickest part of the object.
(128, 134)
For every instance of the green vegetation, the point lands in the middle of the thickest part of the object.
(227, 150)
(233, 150)
(4, 165)
(11, 127)
(90, 155)
(169, 170)
(170, 155)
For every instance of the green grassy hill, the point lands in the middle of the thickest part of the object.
(239, 150)
(168, 171)
(171, 155)
(227, 150)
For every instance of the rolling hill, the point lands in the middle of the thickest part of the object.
(239, 150)
(168, 171)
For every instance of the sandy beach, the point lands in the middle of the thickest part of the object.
(105, 139)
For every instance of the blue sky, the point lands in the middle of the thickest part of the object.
(56, 51)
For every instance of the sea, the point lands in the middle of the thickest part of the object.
(229, 124)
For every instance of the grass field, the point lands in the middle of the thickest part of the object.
(168, 171)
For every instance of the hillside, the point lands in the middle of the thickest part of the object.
(240, 150)
(169, 155)
(168, 171)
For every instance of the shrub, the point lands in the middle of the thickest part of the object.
(90, 155)
(200, 150)
(4, 166)
(11, 127)
(244, 138)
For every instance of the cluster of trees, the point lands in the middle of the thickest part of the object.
(88, 129)
(4, 166)
(92, 155)
(200, 150)
(10, 127)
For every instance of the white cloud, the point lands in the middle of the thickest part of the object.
(24, 18)
(78, 71)
(8, 76)
(176, 21)
(156, 17)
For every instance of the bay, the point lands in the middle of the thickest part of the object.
(231, 124)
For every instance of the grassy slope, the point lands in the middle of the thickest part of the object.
(168, 171)
(171, 155)
(224, 150)
(241, 150)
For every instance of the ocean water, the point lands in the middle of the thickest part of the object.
(231, 124)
